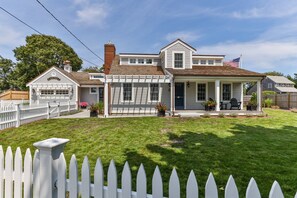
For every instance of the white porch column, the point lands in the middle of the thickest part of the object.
(259, 95)
(241, 95)
(217, 94)
(30, 95)
(105, 99)
(172, 97)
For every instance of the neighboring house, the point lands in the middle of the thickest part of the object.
(278, 84)
(176, 76)
(58, 85)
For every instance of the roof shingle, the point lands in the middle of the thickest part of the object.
(214, 71)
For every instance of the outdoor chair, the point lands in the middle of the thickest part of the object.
(235, 103)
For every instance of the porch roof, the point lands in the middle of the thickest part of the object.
(214, 71)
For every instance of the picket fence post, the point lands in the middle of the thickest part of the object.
(48, 110)
(58, 109)
(18, 115)
(49, 152)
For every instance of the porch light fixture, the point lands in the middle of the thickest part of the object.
(188, 84)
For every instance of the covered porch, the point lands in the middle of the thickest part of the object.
(190, 95)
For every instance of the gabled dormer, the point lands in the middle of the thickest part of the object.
(177, 55)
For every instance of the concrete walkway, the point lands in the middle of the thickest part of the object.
(84, 114)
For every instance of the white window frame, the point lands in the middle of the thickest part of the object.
(122, 93)
(202, 60)
(149, 63)
(90, 90)
(226, 83)
(213, 62)
(206, 91)
(141, 63)
(198, 61)
(173, 62)
(136, 61)
(149, 93)
(269, 85)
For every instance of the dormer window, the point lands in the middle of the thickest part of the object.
(178, 60)
(149, 61)
(132, 60)
(202, 62)
(140, 61)
(210, 62)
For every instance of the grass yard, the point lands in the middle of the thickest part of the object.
(263, 148)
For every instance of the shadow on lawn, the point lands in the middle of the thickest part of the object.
(253, 151)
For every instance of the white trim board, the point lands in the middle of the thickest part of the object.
(46, 72)
(179, 42)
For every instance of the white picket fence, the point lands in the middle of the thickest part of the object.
(45, 177)
(14, 116)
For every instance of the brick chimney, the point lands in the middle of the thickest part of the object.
(109, 54)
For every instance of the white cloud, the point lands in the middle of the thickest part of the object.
(93, 14)
(10, 37)
(271, 9)
(184, 35)
(258, 55)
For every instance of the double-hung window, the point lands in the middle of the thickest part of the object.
(201, 91)
(178, 60)
(226, 91)
(127, 92)
(154, 92)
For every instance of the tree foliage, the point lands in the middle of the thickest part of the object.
(91, 69)
(40, 53)
(6, 68)
(274, 73)
(294, 79)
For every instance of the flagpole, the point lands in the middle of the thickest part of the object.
(240, 64)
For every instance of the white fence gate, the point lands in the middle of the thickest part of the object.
(44, 176)
(14, 116)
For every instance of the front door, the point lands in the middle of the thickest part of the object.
(179, 96)
(101, 94)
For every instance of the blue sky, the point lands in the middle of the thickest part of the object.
(264, 32)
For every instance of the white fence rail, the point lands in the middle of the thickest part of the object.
(14, 116)
(45, 177)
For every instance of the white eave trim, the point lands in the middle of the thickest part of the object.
(206, 57)
(51, 69)
(172, 44)
(139, 55)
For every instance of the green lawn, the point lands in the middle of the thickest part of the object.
(263, 148)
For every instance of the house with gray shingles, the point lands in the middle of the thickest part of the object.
(177, 76)
(63, 85)
(278, 84)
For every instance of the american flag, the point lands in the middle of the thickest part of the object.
(233, 63)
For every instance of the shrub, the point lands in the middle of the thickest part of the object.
(221, 115)
(206, 115)
(233, 115)
(100, 106)
(267, 102)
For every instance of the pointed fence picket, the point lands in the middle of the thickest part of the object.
(19, 177)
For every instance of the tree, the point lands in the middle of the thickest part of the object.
(40, 53)
(294, 79)
(91, 69)
(274, 73)
(6, 68)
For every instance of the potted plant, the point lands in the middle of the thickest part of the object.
(83, 105)
(161, 108)
(209, 105)
(93, 110)
(252, 104)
